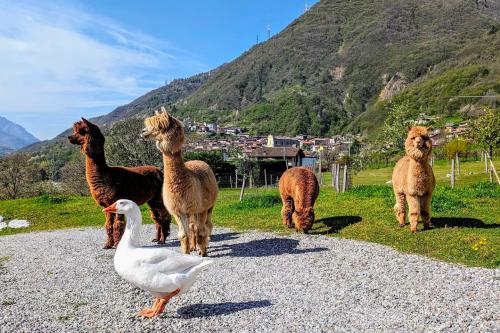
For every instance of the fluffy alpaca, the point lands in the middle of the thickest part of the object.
(109, 184)
(413, 180)
(189, 189)
(299, 189)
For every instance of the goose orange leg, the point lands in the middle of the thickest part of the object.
(146, 311)
(159, 305)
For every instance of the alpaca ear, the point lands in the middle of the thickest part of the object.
(85, 121)
(156, 112)
(429, 128)
(163, 110)
(408, 128)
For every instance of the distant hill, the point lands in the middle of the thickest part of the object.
(339, 66)
(13, 136)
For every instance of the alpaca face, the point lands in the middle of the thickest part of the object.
(166, 130)
(88, 136)
(418, 144)
(304, 220)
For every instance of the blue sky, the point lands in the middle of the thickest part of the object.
(60, 60)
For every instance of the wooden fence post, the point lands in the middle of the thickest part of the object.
(236, 178)
(265, 178)
(242, 192)
(333, 175)
(337, 185)
(485, 162)
(452, 173)
(344, 181)
(494, 171)
(458, 164)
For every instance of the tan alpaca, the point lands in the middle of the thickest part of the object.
(413, 180)
(189, 189)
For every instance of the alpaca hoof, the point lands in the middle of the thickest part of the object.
(154, 240)
(414, 231)
(161, 241)
(402, 225)
(203, 254)
(107, 246)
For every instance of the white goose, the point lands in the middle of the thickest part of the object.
(161, 271)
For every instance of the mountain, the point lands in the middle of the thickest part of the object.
(341, 65)
(13, 136)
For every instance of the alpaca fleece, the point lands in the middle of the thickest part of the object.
(109, 184)
(299, 189)
(413, 179)
(189, 189)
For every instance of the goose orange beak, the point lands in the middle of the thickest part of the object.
(110, 209)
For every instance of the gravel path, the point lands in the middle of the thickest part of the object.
(63, 281)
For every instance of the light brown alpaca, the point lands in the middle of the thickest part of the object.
(413, 180)
(189, 189)
(299, 189)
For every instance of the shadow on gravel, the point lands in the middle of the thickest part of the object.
(224, 237)
(461, 222)
(218, 309)
(334, 224)
(262, 248)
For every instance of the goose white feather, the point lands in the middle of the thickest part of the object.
(159, 270)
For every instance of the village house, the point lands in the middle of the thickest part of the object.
(281, 141)
(293, 156)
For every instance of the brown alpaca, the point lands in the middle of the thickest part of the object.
(413, 180)
(189, 189)
(108, 184)
(299, 189)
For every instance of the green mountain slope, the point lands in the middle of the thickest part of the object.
(339, 53)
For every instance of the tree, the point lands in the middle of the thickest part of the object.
(485, 130)
(125, 146)
(18, 174)
(396, 124)
(73, 176)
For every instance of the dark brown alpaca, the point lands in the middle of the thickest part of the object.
(109, 184)
(299, 190)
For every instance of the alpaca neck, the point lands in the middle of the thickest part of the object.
(95, 165)
(174, 166)
(132, 234)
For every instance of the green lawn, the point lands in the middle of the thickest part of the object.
(466, 219)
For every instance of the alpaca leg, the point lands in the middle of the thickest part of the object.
(193, 222)
(209, 224)
(202, 234)
(425, 210)
(287, 211)
(110, 218)
(414, 207)
(400, 208)
(162, 219)
(182, 223)
(118, 228)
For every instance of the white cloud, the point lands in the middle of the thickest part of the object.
(55, 58)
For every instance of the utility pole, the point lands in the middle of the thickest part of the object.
(268, 31)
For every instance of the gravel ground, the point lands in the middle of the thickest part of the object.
(260, 282)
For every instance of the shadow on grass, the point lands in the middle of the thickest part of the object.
(262, 248)
(219, 309)
(461, 222)
(334, 224)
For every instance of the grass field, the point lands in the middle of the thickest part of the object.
(466, 219)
